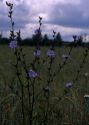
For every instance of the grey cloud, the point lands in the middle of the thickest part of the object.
(20, 16)
(66, 15)
(70, 15)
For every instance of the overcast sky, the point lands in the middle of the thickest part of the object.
(69, 17)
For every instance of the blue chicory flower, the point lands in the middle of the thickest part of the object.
(37, 53)
(51, 53)
(69, 85)
(37, 31)
(13, 44)
(32, 73)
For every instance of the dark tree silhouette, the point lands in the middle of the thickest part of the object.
(37, 37)
(80, 40)
(58, 39)
(46, 40)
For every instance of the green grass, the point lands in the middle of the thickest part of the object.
(71, 110)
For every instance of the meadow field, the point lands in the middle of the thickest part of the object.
(43, 81)
(54, 103)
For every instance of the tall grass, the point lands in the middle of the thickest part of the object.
(71, 108)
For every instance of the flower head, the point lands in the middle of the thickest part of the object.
(37, 31)
(51, 53)
(13, 44)
(46, 88)
(37, 53)
(32, 73)
(68, 85)
(86, 74)
(66, 56)
(86, 96)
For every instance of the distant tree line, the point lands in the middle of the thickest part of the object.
(46, 41)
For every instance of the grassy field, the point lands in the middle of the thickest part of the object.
(65, 107)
